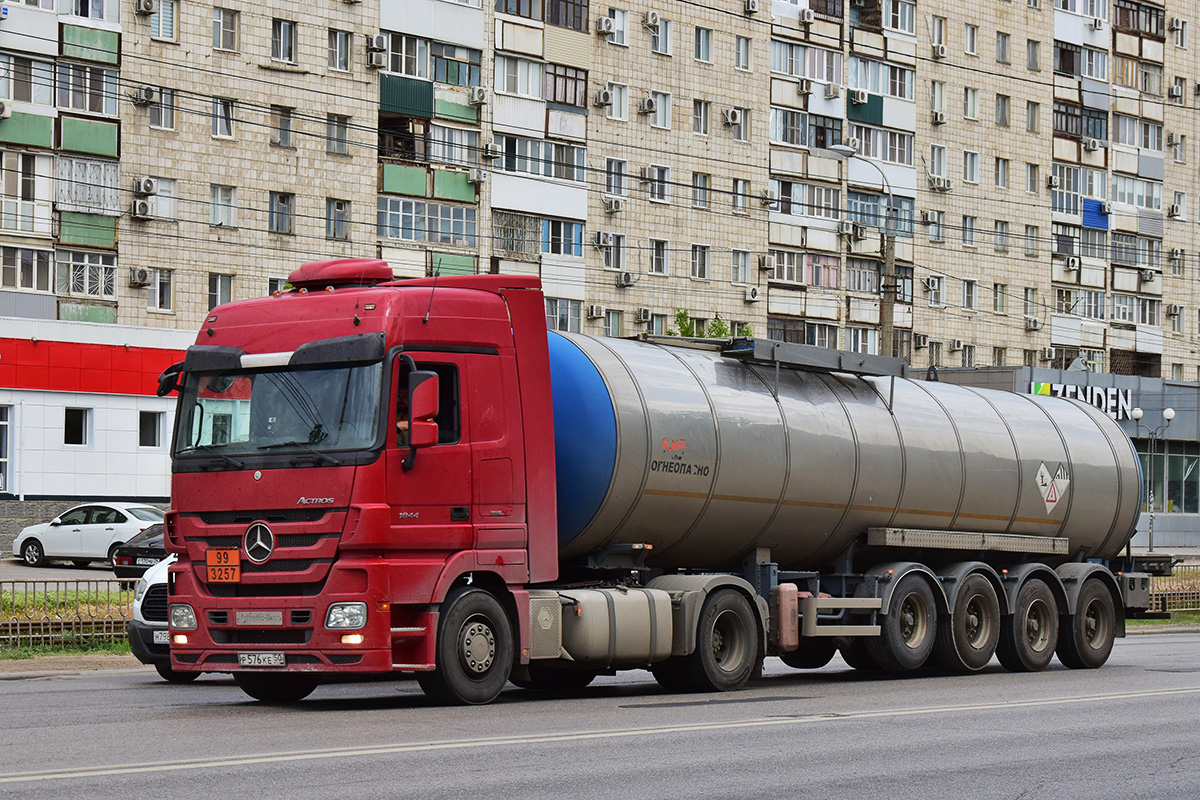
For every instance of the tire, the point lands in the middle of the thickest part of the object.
(813, 653)
(1028, 636)
(276, 687)
(32, 553)
(669, 675)
(1085, 640)
(967, 641)
(555, 679)
(857, 656)
(474, 650)
(726, 644)
(81, 562)
(909, 628)
(174, 676)
(112, 555)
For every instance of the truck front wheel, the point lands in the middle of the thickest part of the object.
(474, 650)
(276, 687)
(1086, 641)
(726, 644)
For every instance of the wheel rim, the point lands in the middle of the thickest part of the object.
(1037, 626)
(728, 641)
(32, 554)
(1095, 625)
(978, 622)
(477, 646)
(914, 620)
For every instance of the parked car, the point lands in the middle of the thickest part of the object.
(149, 638)
(139, 553)
(86, 533)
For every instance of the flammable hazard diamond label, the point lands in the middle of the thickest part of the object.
(1053, 488)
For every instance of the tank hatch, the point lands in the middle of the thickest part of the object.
(341, 272)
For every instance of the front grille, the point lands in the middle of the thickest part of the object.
(284, 564)
(281, 540)
(261, 636)
(226, 590)
(301, 617)
(154, 604)
(276, 515)
(218, 618)
(346, 658)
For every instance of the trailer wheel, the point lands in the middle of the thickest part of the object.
(276, 687)
(968, 641)
(855, 654)
(813, 653)
(1027, 638)
(909, 629)
(1087, 640)
(474, 650)
(726, 644)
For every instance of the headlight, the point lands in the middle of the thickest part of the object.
(346, 616)
(142, 586)
(182, 618)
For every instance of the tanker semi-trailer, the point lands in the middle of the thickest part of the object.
(374, 475)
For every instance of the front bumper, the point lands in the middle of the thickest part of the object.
(141, 643)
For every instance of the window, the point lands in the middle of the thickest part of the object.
(281, 216)
(530, 9)
(937, 160)
(164, 203)
(1092, 304)
(659, 185)
(516, 234)
(419, 221)
(162, 21)
(878, 77)
(409, 55)
(564, 315)
(620, 19)
(1033, 55)
(1002, 47)
(150, 428)
(83, 184)
(661, 118)
(612, 323)
(970, 103)
(739, 268)
(968, 355)
(562, 237)
(900, 15)
(891, 146)
(1094, 64)
(1066, 197)
(1002, 105)
(571, 14)
(222, 206)
(337, 219)
(220, 289)
(821, 271)
(741, 53)
(337, 134)
(76, 426)
(935, 287)
(614, 254)
(968, 231)
(970, 39)
(162, 111)
(1000, 237)
(1032, 178)
(701, 111)
(788, 126)
(1002, 173)
(660, 37)
(1031, 240)
(281, 126)
(276, 285)
(1067, 58)
(937, 30)
(1125, 72)
(970, 294)
(660, 257)
(821, 335)
(703, 50)
(23, 268)
(970, 167)
(789, 266)
(999, 298)
(283, 41)
(741, 131)
(1093, 243)
(619, 108)
(701, 187)
(862, 340)
(615, 173)
(84, 88)
(159, 294)
(701, 261)
(1066, 239)
(1000, 356)
(222, 117)
(936, 229)
(27, 80)
(740, 195)
(565, 85)
(1180, 34)
(813, 200)
(225, 29)
(1031, 304)
(455, 146)
(1032, 111)
(339, 50)
(862, 275)
(1150, 78)
(518, 76)
(87, 274)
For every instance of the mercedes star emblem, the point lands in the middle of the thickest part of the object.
(259, 542)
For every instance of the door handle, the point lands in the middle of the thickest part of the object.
(460, 514)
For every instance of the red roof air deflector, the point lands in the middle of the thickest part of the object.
(341, 272)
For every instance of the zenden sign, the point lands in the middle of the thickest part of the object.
(1117, 403)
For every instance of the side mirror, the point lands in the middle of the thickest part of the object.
(169, 380)
(423, 407)
(56, 521)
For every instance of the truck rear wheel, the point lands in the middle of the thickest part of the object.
(726, 644)
(1086, 641)
(813, 653)
(968, 640)
(1027, 638)
(276, 687)
(909, 629)
(474, 650)
(855, 654)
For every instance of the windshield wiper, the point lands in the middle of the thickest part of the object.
(302, 446)
(208, 447)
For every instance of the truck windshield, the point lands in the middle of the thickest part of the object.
(258, 412)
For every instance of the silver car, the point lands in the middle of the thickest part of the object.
(86, 533)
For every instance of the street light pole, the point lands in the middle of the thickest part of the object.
(1153, 436)
(887, 280)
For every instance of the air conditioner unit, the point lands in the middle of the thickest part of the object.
(1174, 310)
(477, 175)
(941, 184)
(606, 26)
(648, 174)
(1146, 275)
(492, 150)
(845, 228)
(595, 312)
(5, 109)
(770, 197)
(141, 209)
(647, 105)
(1175, 90)
(929, 284)
(604, 97)
(1097, 24)
(642, 316)
(145, 186)
(477, 95)
(377, 59)
(140, 276)
(859, 96)
(614, 205)
(807, 16)
(920, 341)
(1176, 253)
(751, 294)
(378, 41)
(804, 86)
(1032, 323)
(751, 6)
(1052, 182)
(1174, 210)
(1172, 139)
(939, 51)
(766, 262)
(1091, 145)
(603, 239)
(833, 91)
(1071, 264)
(733, 116)
(1046, 354)
(939, 118)
(145, 95)
(625, 279)
(1176, 24)
(146, 7)
(1106, 208)
(956, 344)
(651, 20)
(928, 217)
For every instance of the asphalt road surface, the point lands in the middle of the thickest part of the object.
(12, 569)
(1128, 730)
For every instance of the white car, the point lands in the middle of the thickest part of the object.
(86, 533)
(148, 634)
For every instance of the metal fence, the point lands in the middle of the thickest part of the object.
(66, 613)
(1180, 592)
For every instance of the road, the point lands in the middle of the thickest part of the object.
(12, 569)
(1128, 730)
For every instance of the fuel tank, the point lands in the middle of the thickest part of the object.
(706, 457)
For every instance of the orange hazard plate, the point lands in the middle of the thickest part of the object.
(223, 565)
